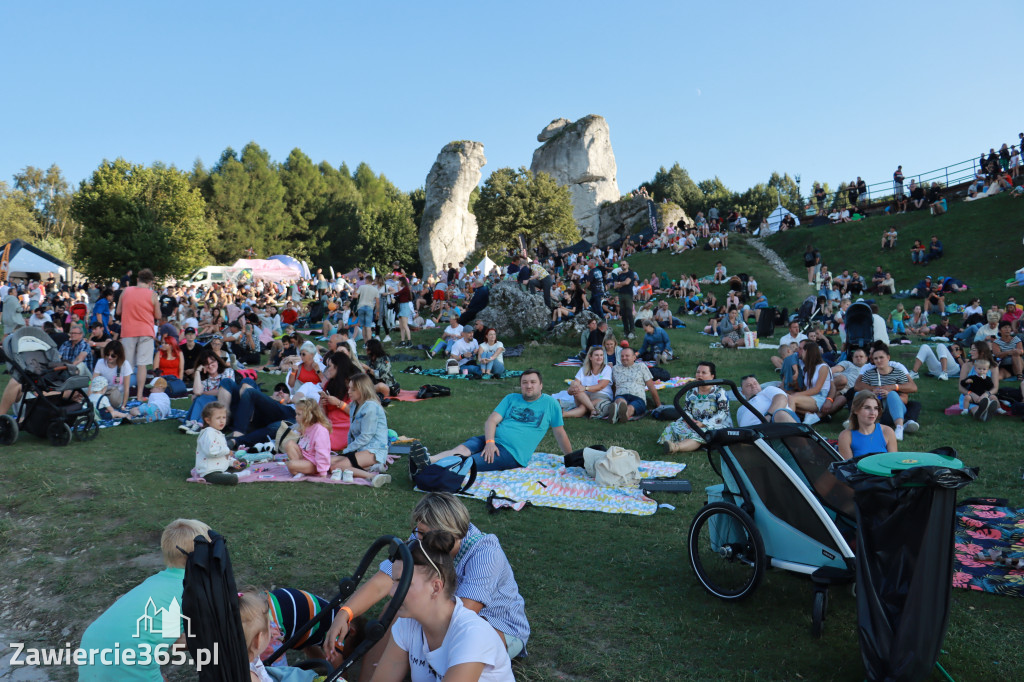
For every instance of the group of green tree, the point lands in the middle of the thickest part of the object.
(128, 215)
(755, 203)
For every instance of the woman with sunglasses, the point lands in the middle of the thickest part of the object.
(483, 582)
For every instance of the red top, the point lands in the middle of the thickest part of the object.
(169, 366)
(289, 315)
(138, 314)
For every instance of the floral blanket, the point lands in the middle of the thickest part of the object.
(546, 482)
(983, 527)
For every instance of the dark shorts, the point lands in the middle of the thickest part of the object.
(639, 404)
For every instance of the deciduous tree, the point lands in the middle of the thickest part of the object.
(516, 204)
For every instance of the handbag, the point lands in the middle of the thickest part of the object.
(286, 433)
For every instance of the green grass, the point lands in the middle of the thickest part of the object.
(609, 597)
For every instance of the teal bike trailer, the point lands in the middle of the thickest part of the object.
(778, 505)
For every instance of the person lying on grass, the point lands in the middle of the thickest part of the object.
(484, 580)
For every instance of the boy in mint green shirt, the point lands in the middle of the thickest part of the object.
(130, 639)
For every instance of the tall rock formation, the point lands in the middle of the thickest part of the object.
(579, 155)
(448, 230)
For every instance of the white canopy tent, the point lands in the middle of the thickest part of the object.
(26, 260)
(485, 266)
(776, 216)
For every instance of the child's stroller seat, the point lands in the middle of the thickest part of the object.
(55, 404)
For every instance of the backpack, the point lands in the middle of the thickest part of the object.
(433, 391)
(766, 323)
(449, 475)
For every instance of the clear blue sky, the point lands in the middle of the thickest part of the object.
(734, 89)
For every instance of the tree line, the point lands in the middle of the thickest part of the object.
(128, 216)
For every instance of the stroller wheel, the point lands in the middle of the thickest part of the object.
(58, 433)
(818, 612)
(8, 430)
(87, 432)
(726, 551)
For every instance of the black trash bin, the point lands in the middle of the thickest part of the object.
(905, 519)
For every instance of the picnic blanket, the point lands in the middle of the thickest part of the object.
(981, 528)
(407, 396)
(955, 409)
(547, 482)
(276, 471)
(573, 361)
(674, 382)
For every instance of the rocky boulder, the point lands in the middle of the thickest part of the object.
(448, 230)
(631, 215)
(569, 331)
(579, 155)
(513, 311)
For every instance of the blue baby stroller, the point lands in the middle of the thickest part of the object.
(778, 505)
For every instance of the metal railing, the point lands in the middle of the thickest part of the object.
(885, 191)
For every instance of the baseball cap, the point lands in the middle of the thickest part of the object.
(190, 330)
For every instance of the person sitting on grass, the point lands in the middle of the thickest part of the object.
(311, 453)
(590, 392)
(631, 378)
(484, 581)
(488, 355)
(817, 384)
(380, 370)
(892, 385)
(214, 461)
(1008, 352)
(918, 323)
(513, 430)
(366, 454)
(118, 625)
(979, 390)
(465, 352)
(732, 329)
(436, 636)
(865, 436)
(708, 406)
(656, 344)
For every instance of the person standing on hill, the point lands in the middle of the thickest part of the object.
(624, 283)
(897, 182)
(138, 311)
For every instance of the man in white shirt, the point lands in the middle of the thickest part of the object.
(794, 335)
(768, 401)
(464, 350)
(39, 317)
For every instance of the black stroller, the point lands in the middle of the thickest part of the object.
(806, 312)
(860, 326)
(55, 404)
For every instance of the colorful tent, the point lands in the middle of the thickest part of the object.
(270, 270)
(301, 268)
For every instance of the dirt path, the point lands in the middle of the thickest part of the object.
(773, 260)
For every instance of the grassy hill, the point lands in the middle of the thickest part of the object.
(609, 597)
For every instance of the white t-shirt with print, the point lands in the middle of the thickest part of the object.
(470, 639)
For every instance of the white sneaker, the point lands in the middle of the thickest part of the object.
(377, 468)
(911, 426)
(899, 432)
(386, 339)
(380, 480)
(336, 475)
(298, 477)
(943, 377)
(811, 418)
(914, 375)
(631, 335)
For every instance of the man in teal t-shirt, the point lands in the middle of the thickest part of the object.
(514, 430)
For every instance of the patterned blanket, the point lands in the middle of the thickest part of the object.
(443, 373)
(547, 483)
(980, 529)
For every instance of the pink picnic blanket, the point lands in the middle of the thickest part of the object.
(276, 471)
(407, 396)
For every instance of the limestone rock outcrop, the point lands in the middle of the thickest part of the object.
(568, 332)
(513, 311)
(579, 155)
(448, 230)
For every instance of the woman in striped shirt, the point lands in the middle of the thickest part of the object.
(485, 582)
(1008, 352)
(892, 386)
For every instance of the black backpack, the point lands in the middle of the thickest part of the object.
(433, 391)
(766, 323)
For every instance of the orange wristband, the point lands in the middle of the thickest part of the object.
(488, 441)
(349, 612)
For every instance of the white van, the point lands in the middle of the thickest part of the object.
(213, 274)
